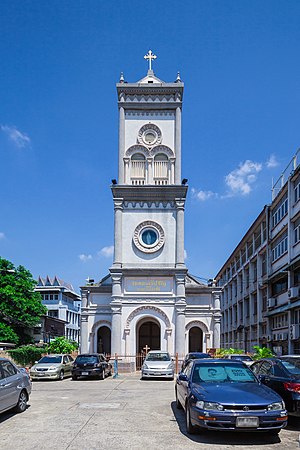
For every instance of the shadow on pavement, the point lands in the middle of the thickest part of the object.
(218, 437)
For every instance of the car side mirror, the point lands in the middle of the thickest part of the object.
(182, 377)
(36, 362)
(261, 378)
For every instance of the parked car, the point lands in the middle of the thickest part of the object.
(15, 387)
(241, 357)
(194, 355)
(282, 374)
(225, 395)
(158, 364)
(91, 365)
(52, 367)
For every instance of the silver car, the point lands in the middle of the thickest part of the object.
(15, 387)
(52, 367)
(158, 364)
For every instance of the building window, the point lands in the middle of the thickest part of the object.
(55, 296)
(53, 313)
(297, 231)
(264, 300)
(280, 211)
(297, 191)
(279, 286)
(280, 248)
(264, 264)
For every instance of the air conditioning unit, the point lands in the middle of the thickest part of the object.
(295, 331)
(293, 292)
(271, 302)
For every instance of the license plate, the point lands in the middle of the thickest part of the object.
(41, 374)
(84, 373)
(247, 422)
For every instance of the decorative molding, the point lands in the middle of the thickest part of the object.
(149, 204)
(100, 324)
(162, 149)
(149, 127)
(199, 324)
(142, 246)
(143, 309)
(138, 149)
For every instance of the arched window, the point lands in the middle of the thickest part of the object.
(161, 169)
(138, 169)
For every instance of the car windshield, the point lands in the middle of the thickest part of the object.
(292, 365)
(230, 373)
(87, 359)
(50, 359)
(158, 357)
(242, 357)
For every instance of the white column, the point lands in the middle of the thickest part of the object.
(121, 143)
(118, 207)
(116, 329)
(172, 171)
(180, 331)
(217, 319)
(84, 326)
(149, 175)
(116, 308)
(180, 233)
(127, 171)
(178, 145)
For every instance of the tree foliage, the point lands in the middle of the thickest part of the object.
(20, 306)
(61, 345)
(7, 334)
(26, 354)
(262, 352)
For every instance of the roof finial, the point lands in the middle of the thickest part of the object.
(178, 79)
(121, 78)
(150, 56)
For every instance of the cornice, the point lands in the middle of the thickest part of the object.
(146, 193)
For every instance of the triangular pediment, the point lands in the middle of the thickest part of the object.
(192, 281)
(150, 78)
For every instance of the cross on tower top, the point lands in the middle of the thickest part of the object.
(150, 56)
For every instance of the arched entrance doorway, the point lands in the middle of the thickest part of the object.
(148, 334)
(148, 337)
(195, 340)
(104, 340)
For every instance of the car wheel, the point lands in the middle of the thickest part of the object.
(189, 427)
(74, 377)
(61, 375)
(22, 402)
(178, 404)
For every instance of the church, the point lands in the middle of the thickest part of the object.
(149, 300)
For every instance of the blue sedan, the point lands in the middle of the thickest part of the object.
(225, 395)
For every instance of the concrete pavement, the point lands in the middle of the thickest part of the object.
(121, 413)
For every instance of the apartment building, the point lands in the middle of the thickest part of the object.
(62, 302)
(261, 279)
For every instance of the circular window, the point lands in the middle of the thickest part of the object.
(149, 236)
(150, 137)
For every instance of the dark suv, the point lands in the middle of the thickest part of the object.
(91, 365)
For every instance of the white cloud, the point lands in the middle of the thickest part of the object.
(203, 195)
(2, 235)
(272, 162)
(20, 139)
(239, 181)
(106, 251)
(85, 258)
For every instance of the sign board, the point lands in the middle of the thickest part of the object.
(148, 284)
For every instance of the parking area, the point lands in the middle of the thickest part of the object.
(118, 413)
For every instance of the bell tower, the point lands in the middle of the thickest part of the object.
(149, 197)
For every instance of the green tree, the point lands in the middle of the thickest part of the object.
(262, 352)
(61, 345)
(20, 306)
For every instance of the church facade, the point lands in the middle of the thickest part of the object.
(148, 299)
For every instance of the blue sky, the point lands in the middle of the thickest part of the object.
(60, 61)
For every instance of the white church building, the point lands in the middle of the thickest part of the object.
(148, 299)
